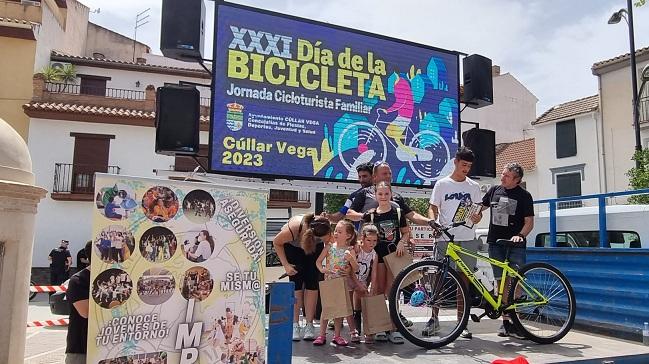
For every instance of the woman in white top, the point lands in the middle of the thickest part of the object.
(204, 249)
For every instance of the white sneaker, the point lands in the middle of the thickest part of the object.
(297, 333)
(309, 332)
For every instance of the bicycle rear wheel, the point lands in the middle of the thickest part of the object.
(549, 322)
(432, 298)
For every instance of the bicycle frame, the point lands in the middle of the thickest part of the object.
(453, 251)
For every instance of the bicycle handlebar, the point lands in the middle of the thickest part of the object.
(441, 229)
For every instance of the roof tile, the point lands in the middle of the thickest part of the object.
(620, 58)
(522, 152)
(58, 56)
(568, 109)
(96, 110)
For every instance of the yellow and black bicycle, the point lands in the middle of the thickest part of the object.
(430, 304)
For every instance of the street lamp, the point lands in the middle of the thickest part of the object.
(627, 14)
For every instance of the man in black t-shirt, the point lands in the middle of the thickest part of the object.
(82, 259)
(60, 261)
(78, 295)
(512, 218)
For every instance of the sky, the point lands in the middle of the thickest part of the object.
(548, 45)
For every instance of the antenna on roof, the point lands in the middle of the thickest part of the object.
(140, 20)
(95, 11)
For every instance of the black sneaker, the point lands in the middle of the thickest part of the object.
(505, 329)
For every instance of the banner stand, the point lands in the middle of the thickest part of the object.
(280, 327)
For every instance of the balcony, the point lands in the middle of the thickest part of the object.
(76, 182)
(643, 109)
(96, 96)
(114, 93)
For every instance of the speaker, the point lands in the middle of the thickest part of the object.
(478, 81)
(182, 34)
(177, 120)
(483, 144)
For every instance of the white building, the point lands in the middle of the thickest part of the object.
(512, 112)
(567, 151)
(617, 141)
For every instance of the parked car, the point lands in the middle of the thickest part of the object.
(59, 302)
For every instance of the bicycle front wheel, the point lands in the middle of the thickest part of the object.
(427, 304)
(543, 322)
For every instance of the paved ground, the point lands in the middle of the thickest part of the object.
(47, 345)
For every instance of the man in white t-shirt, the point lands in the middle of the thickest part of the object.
(456, 198)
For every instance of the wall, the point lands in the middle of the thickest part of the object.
(587, 153)
(68, 37)
(15, 10)
(112, 45)
(16, 80)
(49, 143)
(618, 131)
(512, 112)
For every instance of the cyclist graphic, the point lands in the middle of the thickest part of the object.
(404, 106)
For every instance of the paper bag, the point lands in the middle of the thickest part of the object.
(375, 315)
(335, 299)
(396, 264)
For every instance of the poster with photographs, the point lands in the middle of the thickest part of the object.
(177, 272)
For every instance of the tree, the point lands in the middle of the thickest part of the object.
(640, 3)
(639, 177)
(419, 204)
(333, 202)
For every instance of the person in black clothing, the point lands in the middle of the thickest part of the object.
(78, 294)
(60, 262)
(365, 199)
(82, 259)
(512, 218)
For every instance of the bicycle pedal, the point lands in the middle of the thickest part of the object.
(475, 318)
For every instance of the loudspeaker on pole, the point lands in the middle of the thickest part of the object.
(177, 120)
(483, 144)
(478, 81)
(182, 33)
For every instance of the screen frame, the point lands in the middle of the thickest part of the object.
(270, 176)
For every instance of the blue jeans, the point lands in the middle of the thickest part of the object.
(516, 258)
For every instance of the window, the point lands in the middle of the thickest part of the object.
(566, 139)
(590, 239)
(93, 85)
(90, 155)
(569, 184)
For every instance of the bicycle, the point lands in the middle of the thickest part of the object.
(540, 301)
(362, 142)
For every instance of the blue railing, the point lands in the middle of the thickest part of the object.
(611, 285)
(601, 199)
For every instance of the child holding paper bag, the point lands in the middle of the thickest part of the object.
(393, 235)
(341, 260)
(368, 263)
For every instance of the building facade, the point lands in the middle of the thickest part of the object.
(567, 151)
(617, 142)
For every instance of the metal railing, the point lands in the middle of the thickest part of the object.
(114, 93)
(601, 198)
(78, 178)
(205, 101)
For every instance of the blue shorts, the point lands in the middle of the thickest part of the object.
(516, 258)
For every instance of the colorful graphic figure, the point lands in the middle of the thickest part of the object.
(415, 134)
